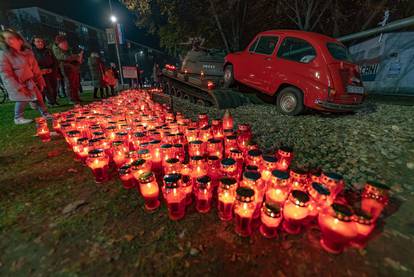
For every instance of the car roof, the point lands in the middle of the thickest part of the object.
(312, 37)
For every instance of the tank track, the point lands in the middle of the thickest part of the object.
(221, 98)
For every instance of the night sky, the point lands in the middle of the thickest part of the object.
(92, 12)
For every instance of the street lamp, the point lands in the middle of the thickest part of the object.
(114, 20)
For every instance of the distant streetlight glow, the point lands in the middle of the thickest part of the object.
(113, 18)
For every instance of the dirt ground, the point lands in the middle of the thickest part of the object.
(55, 221)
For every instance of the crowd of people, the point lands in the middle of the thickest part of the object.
(33, 73)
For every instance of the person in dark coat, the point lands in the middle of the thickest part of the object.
(49, 66)
(97, 69)
(70, 66)
(21, 75)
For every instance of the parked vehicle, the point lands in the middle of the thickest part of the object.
(294, 69)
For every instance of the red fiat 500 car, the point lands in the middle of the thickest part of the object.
(300, 69)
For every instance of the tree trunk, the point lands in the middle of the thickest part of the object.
(219, 27)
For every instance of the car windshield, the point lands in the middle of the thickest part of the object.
(339, 52)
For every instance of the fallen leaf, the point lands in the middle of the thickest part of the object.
(73, 206)
(72, 170)
(129, 237)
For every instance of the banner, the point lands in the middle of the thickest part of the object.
(119, 33)
(129, 72)
(110, 35)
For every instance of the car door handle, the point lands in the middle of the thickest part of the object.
(268, 59)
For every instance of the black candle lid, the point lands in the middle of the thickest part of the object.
(197, 158)
(73, 133)
(334, 176)
(98, 133)
(378, 185)
(214, 141)
(81, 141)
(269, 159)
(251, 167)
(212, 158)
(232, 137)
(95, 153)
(178, 145)
(121, 133)
(228, 162)
(227, 182)
(112, 127)
(125, 169)
(271, 210)
(138, 163)
(143, 151)
(299, 171)
(139, 135)
(155, 141)
(166, 146)
(299, 198)
(203, 181)
(197, 142)
(172, 160)
(342, 212)
(146, 177)
(252, 175)
(321, 189)
(286, 149)
(254, 152)
(117, 142)
(245, 194)
(171, 180)
(236, 151)
(283, 175)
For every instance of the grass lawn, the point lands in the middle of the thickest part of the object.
(109, 233)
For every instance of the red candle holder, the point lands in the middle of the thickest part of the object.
(230, 142)
(167, 152)
(364, 224)
(191, 134)
(98, 161)
(179, 152)
(267, 165)
(140, 166)
(228, 123)
(156, 155)
(202, 120)
(203, 192)
(71, 137)
(119, 152)
(226, 197)
(229, 168)
(110, 132)
(334, 182)
(244, 208)
(252, 179)
(374, 198)
(172, 165)
(137, 140)
(278, 188)
(299, 179)
(43, 133)
(81, 149)
(284, 157)
(295, 211)
(175, 196)
(337, 228)
(196, 148)
(198, 168)
(187, 185)
(126, 176)
(217, 129)
(215, 148)
(271, 217)
(149, 190)
(254, 157)
(205, 134)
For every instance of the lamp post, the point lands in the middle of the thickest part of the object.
(114, 20)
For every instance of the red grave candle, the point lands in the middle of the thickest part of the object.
(126, 176)
(267, 165)
(228, 121)
(337, 228)
(271, 217)
(175, 196)
(186, 184)
(364, 224)
(244, 207)
(202, 120)
(215, 148)
(149, 190)
(295, 211)
(43, 133)
(252, 179)
(333, 181)
(278, 188)
(229, 168)
(98, 161)
(226, 197)
(284, 157)
(374, 198)
(203, 192)
(196, 148)
(81, 149)
(299, 179)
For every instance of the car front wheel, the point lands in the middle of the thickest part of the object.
(290, 101)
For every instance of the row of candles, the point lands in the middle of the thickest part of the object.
(170, 157)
